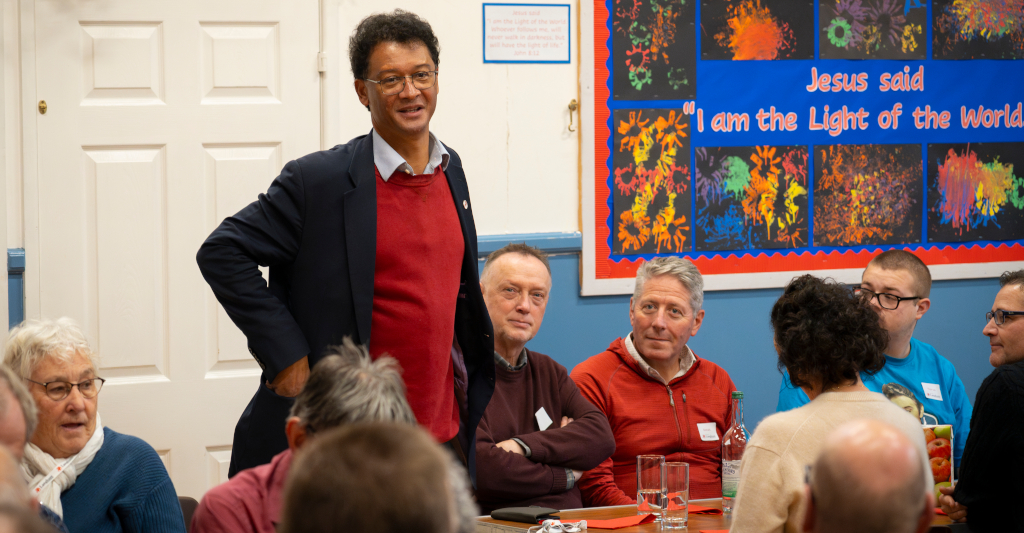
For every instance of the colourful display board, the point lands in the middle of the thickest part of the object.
(768, 138)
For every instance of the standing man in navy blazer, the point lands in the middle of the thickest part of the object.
(373, 239)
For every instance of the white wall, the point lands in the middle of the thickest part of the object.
(12, 121)
(508, 122)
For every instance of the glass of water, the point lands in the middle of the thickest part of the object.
(677, 481)
(650, 484)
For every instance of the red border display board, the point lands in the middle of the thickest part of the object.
(768, 138)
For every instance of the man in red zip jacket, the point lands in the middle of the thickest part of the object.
(659, 397)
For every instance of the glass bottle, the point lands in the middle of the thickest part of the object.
(734, 442)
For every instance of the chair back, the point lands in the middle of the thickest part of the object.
(188, 508)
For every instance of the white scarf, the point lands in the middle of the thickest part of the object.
(49, 477)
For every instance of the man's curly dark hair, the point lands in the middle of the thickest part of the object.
(398, 26)
(825, 333)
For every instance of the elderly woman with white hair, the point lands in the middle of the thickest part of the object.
(97, 479)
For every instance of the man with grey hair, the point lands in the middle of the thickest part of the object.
(538, 433)
(18, 416)
(344, 388)
(649, 379)
(868, 465)
(13, 489)
(18, 419)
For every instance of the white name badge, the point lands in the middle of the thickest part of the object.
(932, 391)
(543, 420)
(707, 431)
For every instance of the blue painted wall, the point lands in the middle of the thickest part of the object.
(737, 336)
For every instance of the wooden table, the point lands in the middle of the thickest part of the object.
(696, 522)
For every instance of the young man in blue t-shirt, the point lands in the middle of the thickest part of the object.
(915, 376)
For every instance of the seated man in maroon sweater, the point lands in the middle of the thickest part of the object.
(346, 387)
(538, 433)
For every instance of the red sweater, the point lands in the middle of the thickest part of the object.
(250, 502)
(415, 287)
(505, 479)
(648, 417)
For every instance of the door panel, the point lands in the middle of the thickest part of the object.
(163, 118)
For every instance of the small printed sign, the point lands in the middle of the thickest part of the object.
(707, 431)
(932, 391)
(543, 420)
(526, 33)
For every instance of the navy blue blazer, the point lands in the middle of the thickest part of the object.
(316, 228)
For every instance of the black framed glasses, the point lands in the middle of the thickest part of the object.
(1000, 315)
(392, 85)
(58, 390)
(885, 300)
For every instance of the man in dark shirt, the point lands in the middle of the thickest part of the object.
(538, 433)
(992, 468)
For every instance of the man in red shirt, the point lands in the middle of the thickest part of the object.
(375, 235)
(344, 388)
(538, 433)
(659, 397)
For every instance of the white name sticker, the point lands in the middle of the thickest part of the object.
(932, 391)
(707, 431)
(543, 420)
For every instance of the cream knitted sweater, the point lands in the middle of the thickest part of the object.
(771, 490)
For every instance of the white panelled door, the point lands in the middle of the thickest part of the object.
(163, 117)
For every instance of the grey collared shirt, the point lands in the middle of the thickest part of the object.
(685, 362)
(520, 363)
(388, 160)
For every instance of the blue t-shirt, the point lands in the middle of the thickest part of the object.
(945, 402)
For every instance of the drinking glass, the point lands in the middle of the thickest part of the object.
(677, 481)
(650, 484)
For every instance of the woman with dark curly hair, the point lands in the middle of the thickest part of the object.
(825, 336)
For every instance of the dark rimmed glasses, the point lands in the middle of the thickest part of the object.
(392, 85)
(1000, 315)
(58, 390)
(885, 300)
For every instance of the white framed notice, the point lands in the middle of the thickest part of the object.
(526, 33)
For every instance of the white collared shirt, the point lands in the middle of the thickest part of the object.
(387, 160)
(685, 362)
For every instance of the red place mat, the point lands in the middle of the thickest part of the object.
(714, 531)
(619, 523)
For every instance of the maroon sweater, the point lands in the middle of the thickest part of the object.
(415, 286)
(506, 479)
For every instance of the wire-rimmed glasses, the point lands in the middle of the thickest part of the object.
(392, 85)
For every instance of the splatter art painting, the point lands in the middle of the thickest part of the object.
(751, 197)
(757, 29)
(867, 194)
(651, 182)
(872, 29)
(978, 29)
(654, 49)
(975, 192)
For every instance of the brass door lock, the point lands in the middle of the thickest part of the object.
(573, 106)
(42, 107)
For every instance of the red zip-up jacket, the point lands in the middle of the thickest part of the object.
(648, 417)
